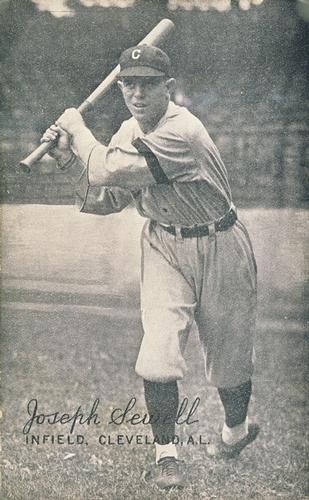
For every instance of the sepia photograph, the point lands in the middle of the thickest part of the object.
(154, 180)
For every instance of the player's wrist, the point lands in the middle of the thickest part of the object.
(66, 161)
(78, 129)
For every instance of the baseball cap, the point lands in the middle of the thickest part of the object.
(144, 60)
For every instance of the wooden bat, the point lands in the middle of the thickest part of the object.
(155, 37)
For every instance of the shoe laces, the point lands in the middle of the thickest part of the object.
(169, 466)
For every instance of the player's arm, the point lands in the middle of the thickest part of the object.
(157, 158)
(101, 201)
(106, 165)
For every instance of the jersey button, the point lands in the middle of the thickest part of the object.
(164, 209)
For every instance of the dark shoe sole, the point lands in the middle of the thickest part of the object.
(221, 450)
(149, 479)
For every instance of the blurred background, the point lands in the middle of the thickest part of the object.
(241, 67)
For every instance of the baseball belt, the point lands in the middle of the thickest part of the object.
(227, 221)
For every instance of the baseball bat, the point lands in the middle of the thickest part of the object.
(155, 37)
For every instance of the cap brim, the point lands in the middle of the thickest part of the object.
(140, 71)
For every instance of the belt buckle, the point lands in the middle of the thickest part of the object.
(178, 235)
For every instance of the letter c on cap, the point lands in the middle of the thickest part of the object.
(136, 54)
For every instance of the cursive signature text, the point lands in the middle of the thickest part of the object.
(78, 417)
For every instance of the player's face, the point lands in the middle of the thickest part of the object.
(146, 98)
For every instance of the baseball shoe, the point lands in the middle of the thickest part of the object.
(165, 474)
(220, 450)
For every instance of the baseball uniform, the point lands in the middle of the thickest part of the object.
(197, 259)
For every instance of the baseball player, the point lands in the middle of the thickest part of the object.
(197, 259)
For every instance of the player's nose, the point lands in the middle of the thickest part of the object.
(139, 90)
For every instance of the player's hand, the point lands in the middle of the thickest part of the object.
(71, 121)
(61, 149)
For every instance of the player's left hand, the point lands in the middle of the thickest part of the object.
(71, 121)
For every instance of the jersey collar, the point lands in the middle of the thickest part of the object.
(172, 110)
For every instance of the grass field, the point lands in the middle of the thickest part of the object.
(67, 342)
(65, 361)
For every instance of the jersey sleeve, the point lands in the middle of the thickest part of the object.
(103, 200)
(119, 164)
(95, 200)
(163, 156)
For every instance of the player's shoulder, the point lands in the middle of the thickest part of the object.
(125, 131)
(183, 122)
(178, 113)
(127, 125)
(183, 125)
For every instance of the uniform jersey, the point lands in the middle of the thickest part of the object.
(174, 174)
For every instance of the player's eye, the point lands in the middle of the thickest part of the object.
(152, 82)
(148, 82)
(128, 84)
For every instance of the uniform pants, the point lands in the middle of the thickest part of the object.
(210, 280)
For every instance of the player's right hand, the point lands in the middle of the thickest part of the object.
(61, 150)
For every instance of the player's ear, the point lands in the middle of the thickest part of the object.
(171, 85)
